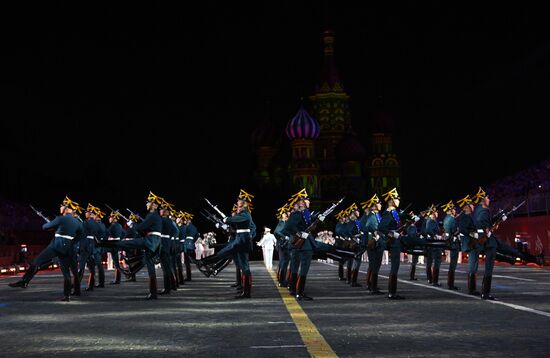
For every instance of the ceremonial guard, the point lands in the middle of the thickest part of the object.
(116, 233)
(66, 227)
(358, 236)
(283, 246)
(87, 245)
(175, 251)
(376, 242)
(191, 236)
(339, 232)
(302, 243)
(165, 247)
(487, 240)
(102, 234)
(450, 226)
(468, 239)
(151, 227)
(390, 225)
(434, 253)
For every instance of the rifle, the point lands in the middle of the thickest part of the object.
(496, 223)
(297, 241)
(215, 207)
(405, 209)
(39, 213)
(117, 211)
(136, 215)
(216, 221)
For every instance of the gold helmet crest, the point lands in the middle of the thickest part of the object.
(479, 195)
(392, 194)
(369, 203)
(464, 201)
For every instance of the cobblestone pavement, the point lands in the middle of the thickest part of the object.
(203, 319)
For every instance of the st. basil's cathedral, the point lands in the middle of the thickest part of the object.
(326, 156)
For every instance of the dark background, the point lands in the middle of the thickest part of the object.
(105, 104)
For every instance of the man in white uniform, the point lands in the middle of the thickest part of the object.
(267, 243)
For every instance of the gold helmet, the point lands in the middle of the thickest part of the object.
(92, 209)
(392, 194)
(351, 209)
(69, 203)
(301, 195)
(448, 206)
(243, 195)
(481, 194)
(369, 203)
(464, 201)
(283, 209)
(154, 198)
(115, 215)
(134, 218)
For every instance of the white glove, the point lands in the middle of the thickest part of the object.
(415, 218)
(447, 234)
(224, 226)
(217, 225)
(504, 217)
(304, 235)
(225, 219)
(489, 234)
(395, 235)
(321, 218)
(287, 238)
(258, 244)
(376, 237)
(130, 223)
(476, 235)
(437, 237)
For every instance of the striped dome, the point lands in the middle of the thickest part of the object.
(302, 126)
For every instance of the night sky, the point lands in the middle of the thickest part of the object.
(467, 86)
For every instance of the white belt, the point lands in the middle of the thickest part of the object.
(480, 231)
(113, 238)
(64, 236)
(173, 238)
(154, 233)
(165, 236)
(90, 237)
(190, 238)
(242, 230)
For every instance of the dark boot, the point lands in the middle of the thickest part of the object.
(374, 285)
(486, 288)
(348, 275)
(238, 280)
(392, 288)
(282, 278)
(117, 277)
(132, 278)
(369, 280)
(187, 272)
(66, 290)
(152, 289)
(472, 285)
(91, 282)
(167, 285)
(429, 274)
(451, 281)
(247, 286)
(180, 277)
(300, 290)
(101, 279)
(508, 259)
(412, 275)
(76, 286)
(21, 283)
(354, 283)
(292, 284)
(173, 282)
(435, 278)
(340, 271)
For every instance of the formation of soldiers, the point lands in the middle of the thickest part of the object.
(165, 235)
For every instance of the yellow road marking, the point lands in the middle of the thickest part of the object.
(313, 340)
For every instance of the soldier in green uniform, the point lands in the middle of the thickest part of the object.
(339, 232)
(87, 245)
(450, 226)
(375, 244)
(389, 226)
(283, 246)
(488, 241)
(66, 227)
(434, 256)
(468, 239)
(151, 228)
(102, 234)
(116, 233)
(165, 247)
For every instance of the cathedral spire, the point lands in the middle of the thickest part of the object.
(330, 80)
